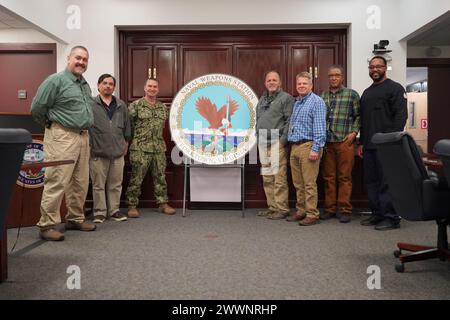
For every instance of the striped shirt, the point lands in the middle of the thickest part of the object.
(343, 113)
(308, 121)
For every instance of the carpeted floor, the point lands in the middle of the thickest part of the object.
(220, 255)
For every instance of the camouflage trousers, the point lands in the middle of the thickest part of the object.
(141, 162)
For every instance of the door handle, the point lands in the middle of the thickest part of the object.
(154, 73)
(316, 72)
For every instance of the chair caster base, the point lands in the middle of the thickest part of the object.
(400, 268)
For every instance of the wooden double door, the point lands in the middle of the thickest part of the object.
(177, 57)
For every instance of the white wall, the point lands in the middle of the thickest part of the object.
(24, 35)
(398, 19)
(31, 36)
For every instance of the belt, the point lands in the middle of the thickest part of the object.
(79, 131)
(300, 141)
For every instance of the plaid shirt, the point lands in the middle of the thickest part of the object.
(308, 121)
(343, 113)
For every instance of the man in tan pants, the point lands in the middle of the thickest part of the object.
(108, 137)
(63, 104)
(272, 114)
(307, 135)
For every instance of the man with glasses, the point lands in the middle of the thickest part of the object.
(338, 158)
(383, 109)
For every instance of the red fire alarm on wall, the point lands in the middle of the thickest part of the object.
(423, 123)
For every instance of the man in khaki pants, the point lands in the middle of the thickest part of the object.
(307, 135)
(63, 104)
(272, 114)
(108, 136)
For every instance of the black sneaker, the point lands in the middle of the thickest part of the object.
(119, 216)
(372, 221)
(387, 224)
(344, 218)
(326, 215)
(99, 219)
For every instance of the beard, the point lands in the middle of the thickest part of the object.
(377, 77)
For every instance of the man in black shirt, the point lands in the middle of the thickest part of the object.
(383, 109)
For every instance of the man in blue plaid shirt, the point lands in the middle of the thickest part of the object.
(307, 135)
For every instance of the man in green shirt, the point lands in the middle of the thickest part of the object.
(272, 114)
(148, 116)
(343, 121)
(63, 104)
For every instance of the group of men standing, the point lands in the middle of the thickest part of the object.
(95, 132)
(326, 126)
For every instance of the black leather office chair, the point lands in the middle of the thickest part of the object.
(12, 147)
(442, 149)
(417, 194)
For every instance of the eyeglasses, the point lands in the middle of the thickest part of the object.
(334, 75)
(376, 67)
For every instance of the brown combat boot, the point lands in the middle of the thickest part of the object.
(133, 212)
(166, 209)
(51, 235)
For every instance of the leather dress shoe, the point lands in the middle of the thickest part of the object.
(309, 221)
(296, 217)
(51, 234)
(80, 226)
(387, 224)
(265, 213)
(277, 215)
(372, 221)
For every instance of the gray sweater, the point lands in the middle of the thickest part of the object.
(273, 112)
(108, 136)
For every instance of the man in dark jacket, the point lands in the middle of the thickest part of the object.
(109, 138)
(383, 109)
(272, 113)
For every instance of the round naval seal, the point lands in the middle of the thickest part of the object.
(213, 119)
(32, 178)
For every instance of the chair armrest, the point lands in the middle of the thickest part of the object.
(438, 182)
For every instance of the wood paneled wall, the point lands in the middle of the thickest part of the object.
(177, 57)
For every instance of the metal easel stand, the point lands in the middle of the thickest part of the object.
(239, 164)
